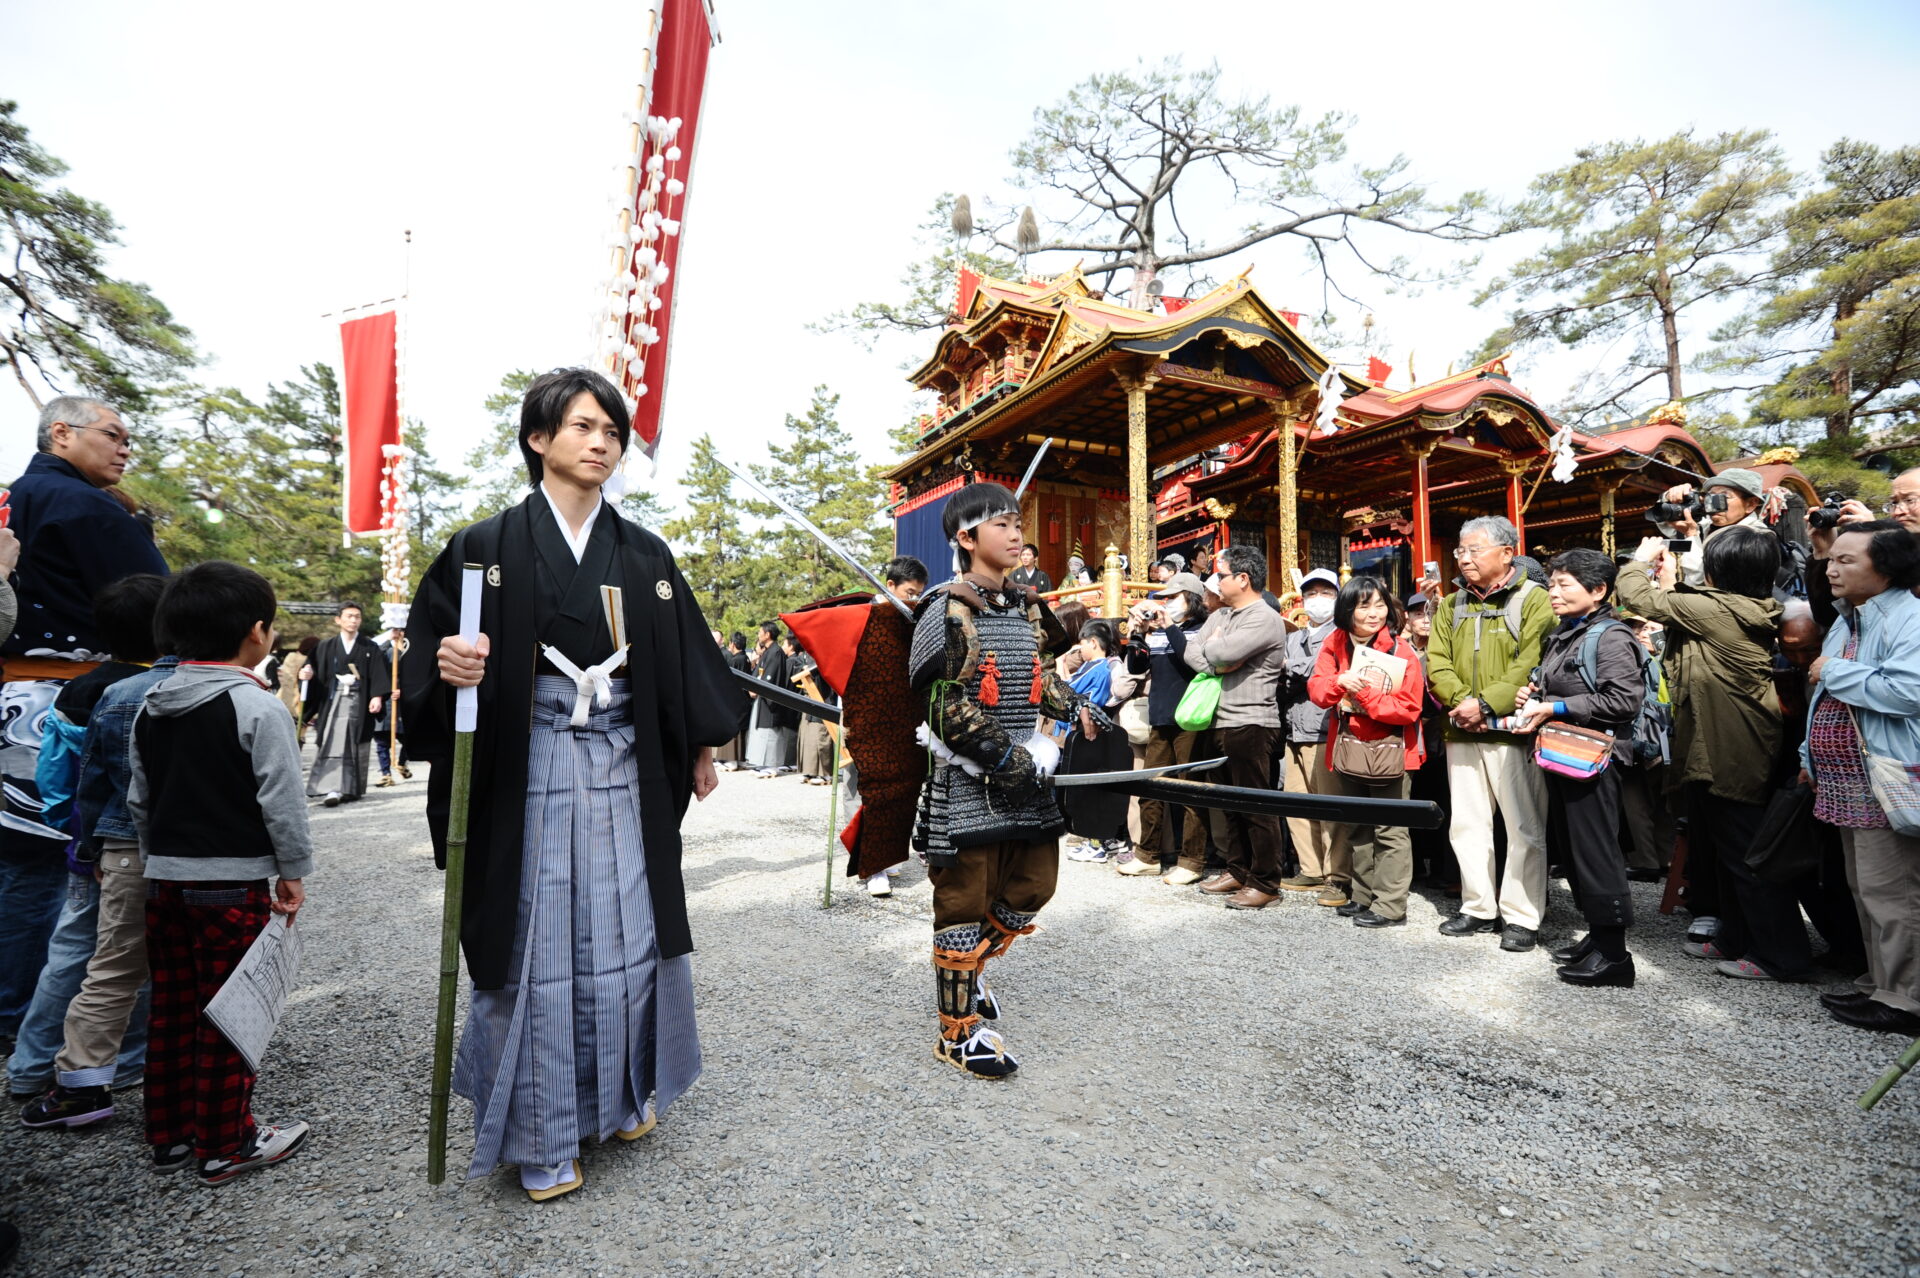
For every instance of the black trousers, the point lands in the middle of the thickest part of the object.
(1255, 844)
(1758, 920)
(1583, 834)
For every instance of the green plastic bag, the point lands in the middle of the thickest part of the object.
(1198, 702)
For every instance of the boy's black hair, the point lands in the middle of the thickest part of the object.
(208, 610)
(972, 506)
(1249, 561)
(904, 568)
(1742, 561)
(345, 604)
(1592, 569)
(545, 408)
(1102, 632)
(1365, 588)
(1895, 551)
(123, 614)
(771, 629)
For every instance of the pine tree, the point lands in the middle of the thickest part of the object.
(711, 544)
(819, 472)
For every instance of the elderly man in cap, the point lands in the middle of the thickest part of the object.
(1326, 865)
(1745, 493)
(75, 540)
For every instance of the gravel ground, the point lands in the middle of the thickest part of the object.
(1202, 1092)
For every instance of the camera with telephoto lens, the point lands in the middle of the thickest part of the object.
(1827, 514)
(1696, 508)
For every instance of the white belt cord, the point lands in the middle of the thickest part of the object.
(593, 685)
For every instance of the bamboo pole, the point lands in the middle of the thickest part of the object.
(1895, 1072)
(465, 720)
(833, 822)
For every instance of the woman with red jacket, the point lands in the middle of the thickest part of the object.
(1365, 615)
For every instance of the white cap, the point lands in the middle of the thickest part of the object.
(1320, 574)
(1213, 584)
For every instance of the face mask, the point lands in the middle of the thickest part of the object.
(1318, 609)
(1176, 610)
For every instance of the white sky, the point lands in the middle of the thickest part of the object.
(264, 159)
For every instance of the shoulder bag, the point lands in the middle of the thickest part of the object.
(1371, 761)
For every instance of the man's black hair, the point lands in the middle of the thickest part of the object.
(738, 639)
(123, 614)
(544, 410)
(207, 611)
(1589, 567)
(771, 629)
(1103, 633)
(902, 569)
(1895, 551)
(1248, 560)
(345, 604)
(1742, 561)
(972, 506)
(1365, 588)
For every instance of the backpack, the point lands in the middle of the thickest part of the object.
(1653, 724)
(1510, 612)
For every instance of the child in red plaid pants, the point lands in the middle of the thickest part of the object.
(217, 795)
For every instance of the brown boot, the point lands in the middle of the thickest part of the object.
(1251, 898)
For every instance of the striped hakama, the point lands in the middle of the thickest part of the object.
(593, 1022)
(340, 766)
(769, 747)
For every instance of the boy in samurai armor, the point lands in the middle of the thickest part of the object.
(986, 821)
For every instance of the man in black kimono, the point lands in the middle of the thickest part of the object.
(351, 674)
(601, 696)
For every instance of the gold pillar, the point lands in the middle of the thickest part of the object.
(1140, 537)
(1609, 487)
(1287, 495)
(1110, 579)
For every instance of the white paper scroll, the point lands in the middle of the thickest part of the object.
(466, 703)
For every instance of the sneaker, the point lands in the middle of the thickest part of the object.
(1704, 928)
(1303, 883)
(271, 1143)
(1743, 970)
(1180, 876)
(333, 799)
(171, 1158)
(1139, 865)
(880, 885)
(1091, 853)
(68, 1107)
(982, 1054)
(1706, 950)
(1333, 895)
(406, 773)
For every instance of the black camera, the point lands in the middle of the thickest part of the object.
(1697, 508)
(1827, 514)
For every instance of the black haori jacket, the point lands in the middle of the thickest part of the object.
(682, 694)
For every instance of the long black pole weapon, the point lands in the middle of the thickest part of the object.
(1415, 814)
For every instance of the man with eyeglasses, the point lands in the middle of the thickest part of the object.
(1486, 640)
(75, 541)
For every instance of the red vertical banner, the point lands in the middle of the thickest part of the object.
(668, 141)
(370, 402)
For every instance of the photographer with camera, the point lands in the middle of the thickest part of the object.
(1837, 515)
(1731, 499)
(1157, 647)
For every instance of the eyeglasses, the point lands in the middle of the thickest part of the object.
(1472, 552)
(1903, 503)
(119, 440)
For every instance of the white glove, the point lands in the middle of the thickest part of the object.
(941, 751)
(1045, 751)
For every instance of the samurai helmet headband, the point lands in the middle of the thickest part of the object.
(972, 506)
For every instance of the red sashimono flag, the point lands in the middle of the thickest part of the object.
(679, 83)
(370, 402)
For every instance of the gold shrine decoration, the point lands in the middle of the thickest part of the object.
(1609, 486)
(1288, 498)
(1140, 547)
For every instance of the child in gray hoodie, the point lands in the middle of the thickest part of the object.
(217, 796)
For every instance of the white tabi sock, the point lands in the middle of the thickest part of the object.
(635, 1120)
(532, 1177)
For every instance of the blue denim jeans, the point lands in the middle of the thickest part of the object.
(31, 893)
(43, 1029)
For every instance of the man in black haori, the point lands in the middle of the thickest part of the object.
(352, 676)
(601, 697)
